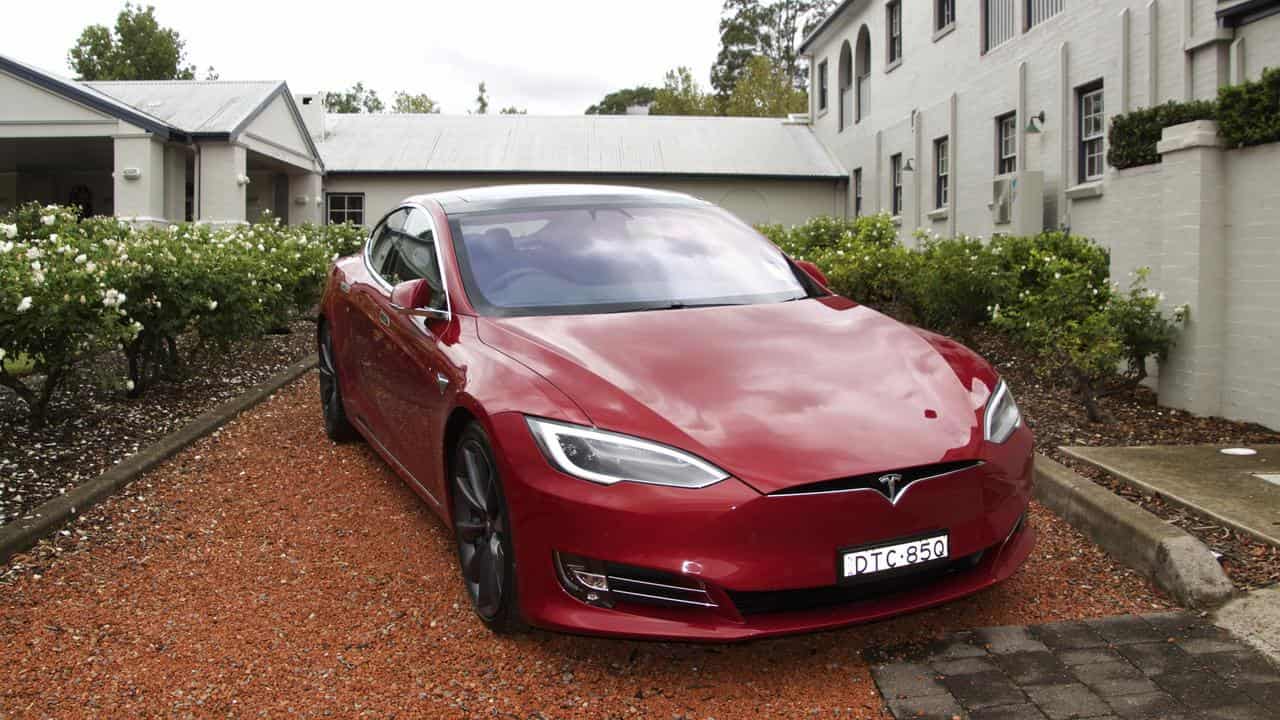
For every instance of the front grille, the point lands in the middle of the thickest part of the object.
(778, 601)
(653, 587)
(873, 481)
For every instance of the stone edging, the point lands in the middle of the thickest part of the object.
(21, 534)
(1166, 554)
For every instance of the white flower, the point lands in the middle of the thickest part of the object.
(25, 304)
(82, 259)
(48, 219)
(128, 385)
(5, 247)
(2, 354)
(9, 231)
(213, 305)
(33, 253)
(91, 266)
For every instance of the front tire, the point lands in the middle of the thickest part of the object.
(336, 424)
(482, 528)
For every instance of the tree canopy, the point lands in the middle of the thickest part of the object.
(617, 102)
(356, 100)
(482, 100)
(418, 103)
(680, 94)
(139, 48)
(764, 90)
(750, 28)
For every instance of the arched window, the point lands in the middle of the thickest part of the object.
(863, 74)
(845, 84)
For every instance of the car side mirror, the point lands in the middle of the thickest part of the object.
(812, 270)
(413, 297)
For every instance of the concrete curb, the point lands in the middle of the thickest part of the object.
(1164, 553)
(20, 535)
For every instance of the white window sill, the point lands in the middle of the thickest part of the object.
(939, 214)
(893, 66)
(1084, 191)
(939, 34)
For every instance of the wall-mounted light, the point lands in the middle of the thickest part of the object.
(908, 167)
(1032, 128)
(131, 173)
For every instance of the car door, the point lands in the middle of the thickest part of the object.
(414, 369)
(367, 342)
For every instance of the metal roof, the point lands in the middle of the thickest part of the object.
(594, 144)
(194, 106)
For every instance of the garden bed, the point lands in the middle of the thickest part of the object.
(93, 425)
(1135, 418)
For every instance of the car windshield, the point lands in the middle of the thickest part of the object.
(584, 260)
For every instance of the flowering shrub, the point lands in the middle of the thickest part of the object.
(74, 289)
(1049, 291)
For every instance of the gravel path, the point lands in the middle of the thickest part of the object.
(265, 571)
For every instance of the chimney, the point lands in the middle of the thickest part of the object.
(311, 105)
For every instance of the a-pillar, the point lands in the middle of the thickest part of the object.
(306, 199)
(1194, 264)
(221, 183)
(139, 178)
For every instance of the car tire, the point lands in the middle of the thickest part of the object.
(482, 529)
(336, 424)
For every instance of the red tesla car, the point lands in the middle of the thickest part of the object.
(641, 418)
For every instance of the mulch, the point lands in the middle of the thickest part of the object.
(1135, 418)
(267, 571)
(94, 425)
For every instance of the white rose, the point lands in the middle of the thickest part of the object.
(9, 231)
(25, 304)
(2, 354)
(128, 385)
(82, 259)
(213, 305)
(48, 219)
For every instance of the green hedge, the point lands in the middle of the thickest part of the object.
(73, 291)
(1133, 136)
(1049, 292)
(1247, 114)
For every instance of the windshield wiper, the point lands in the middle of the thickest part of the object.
(679, 306)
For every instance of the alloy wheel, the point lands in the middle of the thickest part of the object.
(481, 527)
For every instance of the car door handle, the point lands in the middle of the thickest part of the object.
(384, 318)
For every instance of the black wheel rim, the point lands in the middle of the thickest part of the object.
(481, 528)
(330, 399)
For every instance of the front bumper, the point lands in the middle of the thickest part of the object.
(768, 562)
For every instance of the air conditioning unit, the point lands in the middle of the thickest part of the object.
(1002, 201)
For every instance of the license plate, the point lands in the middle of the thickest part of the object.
(895, 555)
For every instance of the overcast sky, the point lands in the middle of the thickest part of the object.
(553, 57)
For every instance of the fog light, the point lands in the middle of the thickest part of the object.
(593, 581)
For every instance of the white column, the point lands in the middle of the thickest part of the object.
(1194, 264)
(139, 178)
(306, 199)
(175, 183)
(222, 169)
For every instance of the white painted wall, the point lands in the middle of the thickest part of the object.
(754, 200)
(1090, 40)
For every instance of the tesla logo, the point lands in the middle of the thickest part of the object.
(890, 482)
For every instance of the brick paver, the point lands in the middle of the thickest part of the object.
(1170, 666)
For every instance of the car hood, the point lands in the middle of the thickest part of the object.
(780, 395)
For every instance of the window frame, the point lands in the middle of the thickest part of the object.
(941, 172)
(376, 272)
(944, 10)
(328, 207)
(893, 41)
(1001, 157)
(1085, 144)
(823, 80)
(857, 192)
(895, 185)
(1027, 14)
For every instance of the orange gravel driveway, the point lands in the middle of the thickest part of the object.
(268, 572)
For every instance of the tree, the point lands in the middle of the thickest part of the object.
(356, 100)
(765, 91)
(680, 94)
(789, 21)
(742, 28)
(139, 49)
(513, 110)
(420, 103)
(617, 102)
(482, 101)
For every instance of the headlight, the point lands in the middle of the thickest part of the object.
(1002, 416)
(608, 458)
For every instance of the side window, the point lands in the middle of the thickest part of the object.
(381, 239)
(413, 255)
